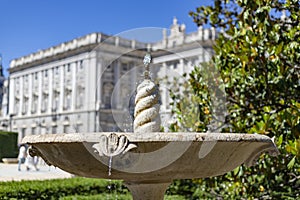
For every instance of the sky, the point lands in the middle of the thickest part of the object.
(27, 26)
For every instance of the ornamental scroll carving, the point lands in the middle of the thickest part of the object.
(113, 145)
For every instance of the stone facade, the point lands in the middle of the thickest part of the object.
(85, 85)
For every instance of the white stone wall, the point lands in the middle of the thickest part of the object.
(47, 98)
(90, 91)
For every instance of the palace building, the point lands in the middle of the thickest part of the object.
(85, 85)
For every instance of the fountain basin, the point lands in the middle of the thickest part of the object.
(151, 157)
(148, 162)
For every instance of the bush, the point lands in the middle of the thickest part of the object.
(74, 188)
(58, 188)
(99, 196)
(8, 145)
(257, 60)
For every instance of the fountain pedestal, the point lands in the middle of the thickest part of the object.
(148, 163)
(147, 191)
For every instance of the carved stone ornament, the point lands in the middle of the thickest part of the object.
(113, 145)
(33, 151)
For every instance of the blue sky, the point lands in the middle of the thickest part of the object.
(27, 26)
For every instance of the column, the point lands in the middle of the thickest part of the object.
(213, 33)
(99, 92)
(133, 74)
(189, 67)
(164, 88)
(206, 34)
(11, 99)
(61, 90)
(74, 89)
(201, 57)
(165, 38)
(90, 81)
(181, 66)
(207, 55)
(40, 94)
(200, 32)
(50, 96)
(21, 96)
(30, 93)
(99, 83)
(116, 91)
(90, 97)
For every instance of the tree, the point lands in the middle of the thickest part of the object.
(257, 54)
(192, 108)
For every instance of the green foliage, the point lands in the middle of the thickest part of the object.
(190, 111)
(55, 189)
(8, 145)
(257, 56)
(197, 101)
(115, 196)
(73, 188)
(99, 196)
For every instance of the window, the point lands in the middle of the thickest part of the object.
(17, 105)
(65, 129)
(55, 101)
(68, 67)
(26, 79)
(54, 129)
(175, 66)
(33, 130)
(17, 86)
(78, 128)
(124, 67)
(67, 100)
(46, 73)
(44, 103)
(23, 132)
(56, 71)
(80, 64)
(25, 105)
(174, 44)
(34, 103)
(80, 98)
(108, 89)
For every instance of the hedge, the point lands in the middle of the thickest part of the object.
(116, 196)
(57, 188)
(72, 188)
(8, 145)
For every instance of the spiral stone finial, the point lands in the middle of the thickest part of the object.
(147, 61)
(147, 104)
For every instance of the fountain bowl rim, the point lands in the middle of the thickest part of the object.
(149, 137)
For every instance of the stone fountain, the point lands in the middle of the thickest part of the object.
(148, 160)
